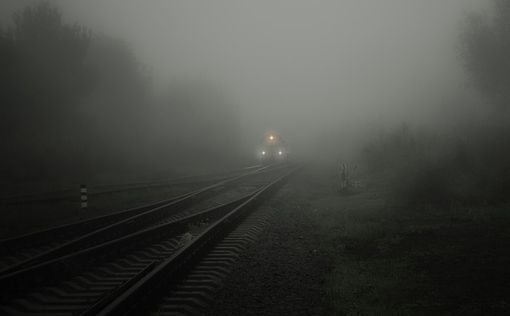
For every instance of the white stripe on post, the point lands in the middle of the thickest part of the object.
(84, 197)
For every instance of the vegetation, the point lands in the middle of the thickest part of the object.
(43, 80)
(418, 260)
(439, 247)
(471, 167)
(486, 54)
(75, 104)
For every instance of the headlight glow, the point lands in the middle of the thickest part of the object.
(280, 153)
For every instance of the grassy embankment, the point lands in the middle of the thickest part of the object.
(389, 259)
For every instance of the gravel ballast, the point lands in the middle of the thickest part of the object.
(283, 272)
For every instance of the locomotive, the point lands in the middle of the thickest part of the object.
(273, 148)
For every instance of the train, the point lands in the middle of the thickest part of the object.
(273, 148)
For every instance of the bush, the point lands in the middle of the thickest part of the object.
(426, 169)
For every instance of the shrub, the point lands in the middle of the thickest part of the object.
(426, 169)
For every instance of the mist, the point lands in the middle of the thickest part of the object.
(272, 157)
(306, 69)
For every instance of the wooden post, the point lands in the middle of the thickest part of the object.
(84, 196)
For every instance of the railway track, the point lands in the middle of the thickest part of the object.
(107, 277)
(19, 252)
(107, 189)
(192, 294)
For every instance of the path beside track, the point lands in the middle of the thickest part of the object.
(282, 273)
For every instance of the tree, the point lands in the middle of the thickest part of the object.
(117, 109)
(486, 53)
(72, 104)
(43, 78)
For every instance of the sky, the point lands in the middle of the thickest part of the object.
(303, 68)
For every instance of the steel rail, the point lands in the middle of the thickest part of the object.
(61, 266)
(176, 181)
(15, 241)
(173, 268)
(66, 194)
(41, 234)
(123, 226)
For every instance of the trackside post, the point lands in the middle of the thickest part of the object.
(84, 196)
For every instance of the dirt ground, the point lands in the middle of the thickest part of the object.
(328, 253)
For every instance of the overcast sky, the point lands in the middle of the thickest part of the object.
(295, 65)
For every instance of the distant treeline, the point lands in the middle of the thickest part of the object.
(472, 166)
(74, 104)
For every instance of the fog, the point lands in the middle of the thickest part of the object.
(269, 157)
(300, 67)
(318, 72)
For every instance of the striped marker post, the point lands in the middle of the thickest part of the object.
(84, 196)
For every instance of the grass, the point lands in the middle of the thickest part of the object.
(422, 260)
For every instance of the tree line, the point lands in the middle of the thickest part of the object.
(470, 167)
(76, 104)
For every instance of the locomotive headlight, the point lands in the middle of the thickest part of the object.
(280, 152)
(263, 153)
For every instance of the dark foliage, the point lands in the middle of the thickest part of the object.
(44, 78)
(74, 104)
(486, 53)
(471, 169)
